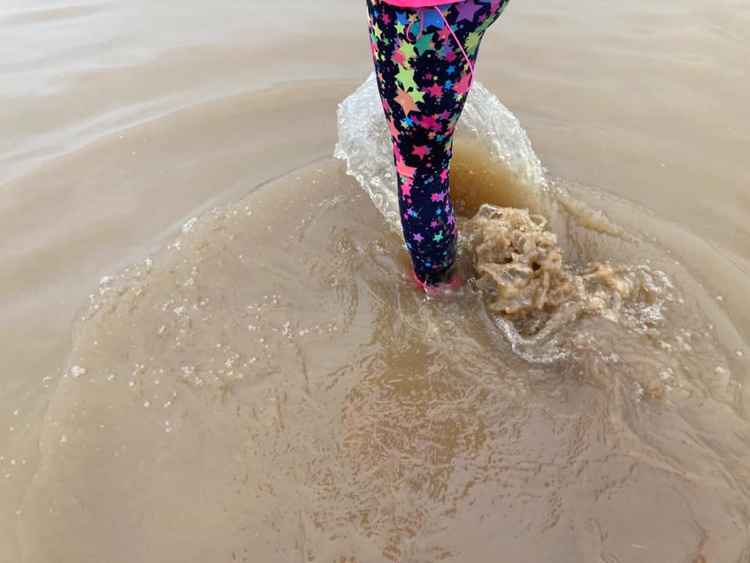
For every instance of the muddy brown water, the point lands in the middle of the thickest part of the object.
(262, 383)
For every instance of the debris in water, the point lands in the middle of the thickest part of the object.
(519, 266)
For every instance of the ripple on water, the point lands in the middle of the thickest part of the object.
(270, 387)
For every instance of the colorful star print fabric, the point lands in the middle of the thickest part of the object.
(424, 78)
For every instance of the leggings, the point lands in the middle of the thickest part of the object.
(424, 77)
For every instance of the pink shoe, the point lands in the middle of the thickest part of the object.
(453, 284)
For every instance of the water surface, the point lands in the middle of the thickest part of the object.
(272, 388)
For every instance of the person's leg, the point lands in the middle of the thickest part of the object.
(424, 78)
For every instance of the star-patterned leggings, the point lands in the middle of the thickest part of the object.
(424, 78)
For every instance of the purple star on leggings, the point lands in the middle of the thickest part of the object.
(466, 11)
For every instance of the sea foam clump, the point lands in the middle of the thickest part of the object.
(520, 269)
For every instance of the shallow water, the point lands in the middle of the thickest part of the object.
(274, 392)
(267, 386)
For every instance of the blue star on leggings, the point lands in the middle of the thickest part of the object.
(431, 18)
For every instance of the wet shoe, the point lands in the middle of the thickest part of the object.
(455, 281)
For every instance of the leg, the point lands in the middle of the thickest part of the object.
(424, 78)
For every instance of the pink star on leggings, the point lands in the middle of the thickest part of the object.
(421, 151)
(436, 91)
(463, 85)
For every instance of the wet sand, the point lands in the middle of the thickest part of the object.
(361, 438)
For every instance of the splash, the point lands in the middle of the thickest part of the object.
(365, 145)
(532, 294)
